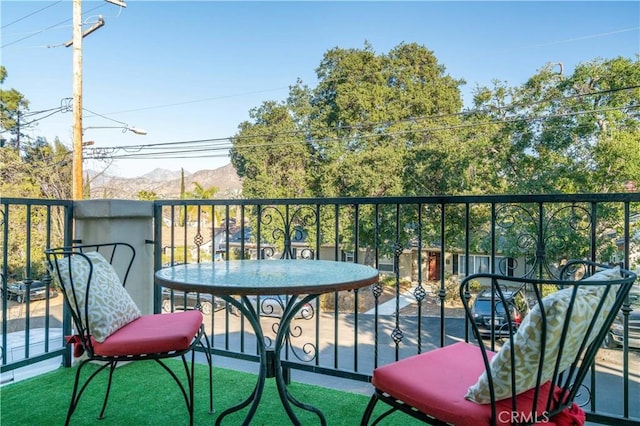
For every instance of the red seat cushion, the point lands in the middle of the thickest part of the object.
(436, 382)
(152, 334)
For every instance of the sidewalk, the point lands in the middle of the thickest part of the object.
(16, 352)
(389, 307)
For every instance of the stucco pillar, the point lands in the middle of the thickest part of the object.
(128, 221)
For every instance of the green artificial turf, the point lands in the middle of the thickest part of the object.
(144, 394)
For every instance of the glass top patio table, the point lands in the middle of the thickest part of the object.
(267, 277)
(301, 281)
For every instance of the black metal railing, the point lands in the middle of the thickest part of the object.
(33, 319)
(420, 245)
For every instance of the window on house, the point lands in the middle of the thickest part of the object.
(480, 264)
(385, 264)
(347, 256)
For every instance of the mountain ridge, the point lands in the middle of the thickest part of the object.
(166, 184)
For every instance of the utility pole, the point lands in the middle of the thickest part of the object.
(77, 101)
(18, 133)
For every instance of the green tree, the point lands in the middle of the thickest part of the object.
(360, 132)
(374, 113)
(86, 187)
(272, 153)
(42, 171)
(565, 134)
(393, 124)
(182, 218)
(356, 133)
(29, 168)
(577, 133)
(146, 195)
(182, 190)
(12, 105)
(201, 193)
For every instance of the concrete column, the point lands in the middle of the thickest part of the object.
(128, 221)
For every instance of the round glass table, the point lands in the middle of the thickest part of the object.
(300, 280)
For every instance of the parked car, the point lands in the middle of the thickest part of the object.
(615, 337)
(204, 302)
(481, 311)
(37, 291)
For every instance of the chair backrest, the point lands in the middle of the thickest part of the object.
(88, 275)
(551, 351)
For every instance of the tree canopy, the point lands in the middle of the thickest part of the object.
(393, 124)
(12, 105)
(30, 167)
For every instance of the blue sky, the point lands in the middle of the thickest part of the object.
(193, 70)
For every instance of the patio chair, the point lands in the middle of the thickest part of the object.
(535, 377)
(109, 326)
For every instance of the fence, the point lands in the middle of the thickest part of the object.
(421, 245)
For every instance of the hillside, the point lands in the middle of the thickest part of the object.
(166, 183)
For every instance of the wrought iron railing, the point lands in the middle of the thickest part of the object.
(33, 319)
(420, 244)
(423, 244)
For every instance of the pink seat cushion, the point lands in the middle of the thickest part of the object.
(436, 382)
(152, 334)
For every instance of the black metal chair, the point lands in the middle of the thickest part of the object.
(536, 375)
(109, 326)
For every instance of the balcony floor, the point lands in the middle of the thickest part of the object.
(336, 383)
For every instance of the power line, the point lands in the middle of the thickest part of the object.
(46, 29)
(380, 125)
(156, 157)
(587, 37)
(104, 116)
(568, 40)
(102, 153)
(388, 123)
(362, 124)
(194, 101)
(30, 14)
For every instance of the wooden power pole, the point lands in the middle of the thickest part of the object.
(77, 100)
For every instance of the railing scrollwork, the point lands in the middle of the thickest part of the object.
(540, 237)
(288, 226)
(294, 223)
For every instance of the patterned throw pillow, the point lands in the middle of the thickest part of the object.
(110, 306)
(528, 339)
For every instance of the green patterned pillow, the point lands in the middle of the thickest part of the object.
(110, 306)
(528, 339)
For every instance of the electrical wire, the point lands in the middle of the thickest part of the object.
(570, 40)
(42, 118)
(47, 29)
(352, 127)
(196, 101)
(101, 153)
(30, 14)
(104, 116)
